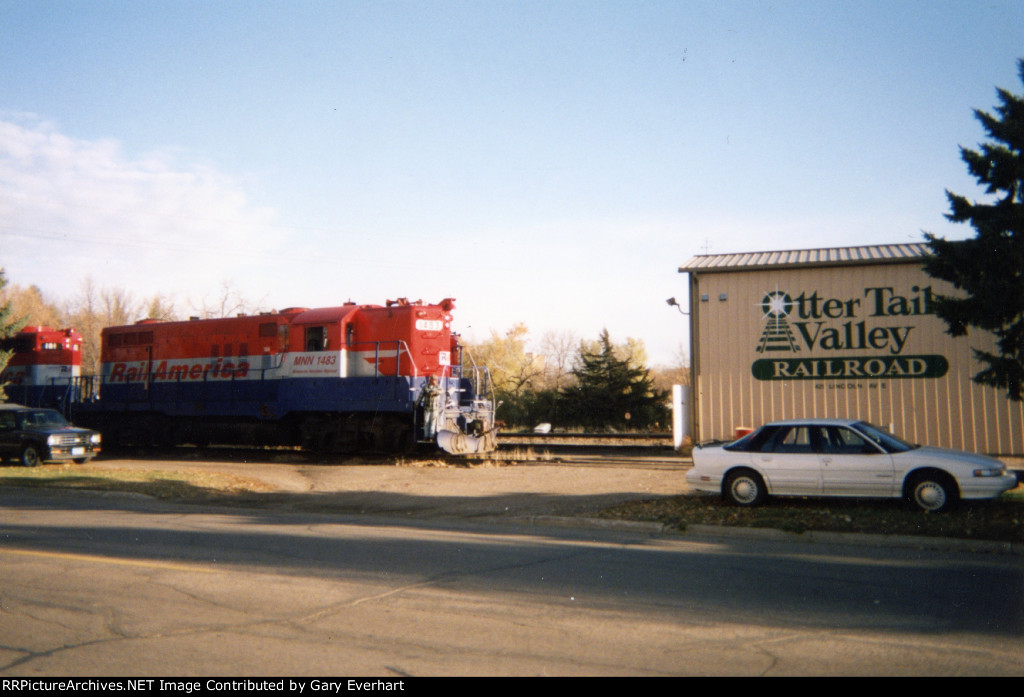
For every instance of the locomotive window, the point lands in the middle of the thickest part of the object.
(214, 350)
(243, 349)
(115, 340)
(316, 338)
(268, 330)
(227, 350)
(145, 337)
(131, 339)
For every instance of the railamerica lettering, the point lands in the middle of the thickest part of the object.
(177, 371)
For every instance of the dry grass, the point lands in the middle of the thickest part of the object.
(999, 520)
(187, 485)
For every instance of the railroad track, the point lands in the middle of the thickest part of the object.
(588, 440)
(595, 449)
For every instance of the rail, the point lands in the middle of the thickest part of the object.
(588, 440)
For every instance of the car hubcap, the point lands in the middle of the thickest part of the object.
(744, 490)
(930, 496)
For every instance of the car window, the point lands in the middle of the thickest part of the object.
(843, 441)
(756, 442)
(44, 418)
(796, 439)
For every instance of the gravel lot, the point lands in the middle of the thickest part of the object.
(425, 488)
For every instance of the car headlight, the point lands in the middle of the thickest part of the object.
(988, 472)
(94, 439)
(53, 440)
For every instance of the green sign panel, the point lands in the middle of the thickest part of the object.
(851, 368)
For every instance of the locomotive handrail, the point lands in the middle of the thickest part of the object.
(400, 348)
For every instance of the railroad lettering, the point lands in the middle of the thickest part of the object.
(886, 303)
(885, 367)
(166, 371)
(853, 336)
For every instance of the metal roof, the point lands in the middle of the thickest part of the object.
(836, 256)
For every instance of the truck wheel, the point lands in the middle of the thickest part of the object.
(30, 456)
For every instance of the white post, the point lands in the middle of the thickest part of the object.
(678, 415)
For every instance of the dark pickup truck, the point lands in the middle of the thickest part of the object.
(32, 436)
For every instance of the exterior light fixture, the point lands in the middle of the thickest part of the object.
(673, 303)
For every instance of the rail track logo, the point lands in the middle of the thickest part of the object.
(825, 325)
(777, 334)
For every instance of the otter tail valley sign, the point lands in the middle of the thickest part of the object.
(826, 326)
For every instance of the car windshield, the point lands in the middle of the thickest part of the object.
(888, 442)
(44, 417)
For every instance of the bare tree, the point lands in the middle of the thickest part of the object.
(161, 308)
(93, 309)
(559, 349)
(513, 369)
(676, 373)
(30, 306)
(228, 302)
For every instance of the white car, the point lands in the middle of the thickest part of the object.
(843, 457)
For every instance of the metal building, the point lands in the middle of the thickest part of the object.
(846, 332)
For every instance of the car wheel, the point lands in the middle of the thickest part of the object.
(932, 492)
(30, 456)
(745, 488)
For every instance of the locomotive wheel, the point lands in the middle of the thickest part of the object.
(399, 440)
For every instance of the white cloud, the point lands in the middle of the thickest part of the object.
(72, 208)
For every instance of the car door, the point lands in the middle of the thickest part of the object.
(9, 440)
(790, 463)
(852, 465)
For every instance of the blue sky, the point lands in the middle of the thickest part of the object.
(546, 162)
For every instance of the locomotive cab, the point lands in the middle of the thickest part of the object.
(44, 368)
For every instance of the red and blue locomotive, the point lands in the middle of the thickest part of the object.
(348, 378)
(44, 367)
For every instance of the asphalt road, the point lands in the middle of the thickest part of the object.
(423, 572)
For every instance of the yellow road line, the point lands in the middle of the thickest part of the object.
(97, 559)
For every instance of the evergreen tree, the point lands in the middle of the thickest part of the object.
(989, 268)
(9, 326)
(611, 392)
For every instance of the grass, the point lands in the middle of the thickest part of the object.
(167, 485)
(996, 520)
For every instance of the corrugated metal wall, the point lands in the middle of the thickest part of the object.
(730, 322)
